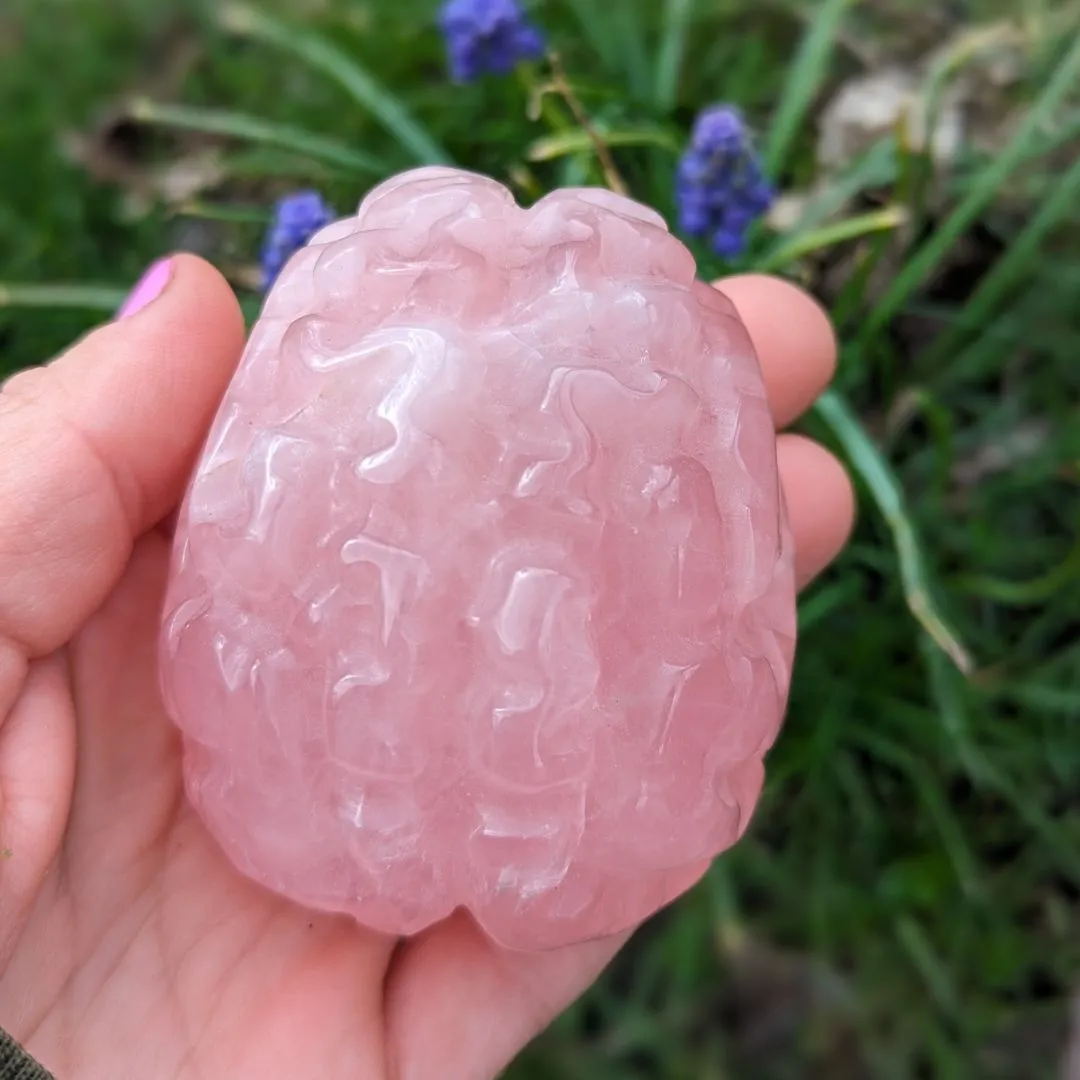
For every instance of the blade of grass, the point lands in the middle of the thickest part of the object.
(576, 141)
(1038, 590)
(949, 829)
(918, 401)
(875, 472)
(677, 15)
(949, 696)
(824, 600)
(320, 54)
(625, 18)
(928, 964)
(1041, 303)
(606, 44)
(985, 39)
(235, 215)
(803, 244)
(1064, 132)
(983, 190)
(998, 337)
(875, 169)
(721, 892)
(87, 297)
(256, 130)
(83, 297)
(1044, 698)
(850, 305)
(264, 162)
(578, 170)
(1010, 268)
(969, 45)
(804, 82)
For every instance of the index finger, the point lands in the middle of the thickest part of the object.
(96, 448)
(793, 338)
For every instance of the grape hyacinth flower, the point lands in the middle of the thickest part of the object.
(721, 189)
(487, 37)
(296, 218)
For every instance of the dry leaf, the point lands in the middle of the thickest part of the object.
(118, 151)
(871, 106)
(787, 210)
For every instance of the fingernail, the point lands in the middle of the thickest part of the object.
(151, 285)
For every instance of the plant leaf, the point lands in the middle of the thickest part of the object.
(347, 71)
(256, 130)
(868, 462)
(576, 141)
(596, 30)
(802, 244)
(89, 297)
(804, 82)
(1015, 261)
(677, 16)
(982, 192)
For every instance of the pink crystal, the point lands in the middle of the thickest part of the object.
(482, 592)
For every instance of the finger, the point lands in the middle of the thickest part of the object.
(96, 448)
(37, 771)
(128, 753)
(820, 503)
(792, 336)
(461, 1007)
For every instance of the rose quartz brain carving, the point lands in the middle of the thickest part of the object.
(482, 594)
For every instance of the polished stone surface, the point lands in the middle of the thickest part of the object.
(482, 593)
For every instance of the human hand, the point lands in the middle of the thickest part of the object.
(128, 945)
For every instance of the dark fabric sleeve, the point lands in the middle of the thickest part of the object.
(16, 1063)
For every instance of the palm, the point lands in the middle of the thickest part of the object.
(128, 945)
(157, 949)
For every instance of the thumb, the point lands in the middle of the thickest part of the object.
(96, 447)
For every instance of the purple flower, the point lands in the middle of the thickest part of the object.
(487, 37)
(297, 217)
(720, 187)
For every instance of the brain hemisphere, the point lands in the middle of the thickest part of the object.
(481, 594)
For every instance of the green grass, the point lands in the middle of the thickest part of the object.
(907, 903)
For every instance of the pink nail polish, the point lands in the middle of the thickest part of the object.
(150, 286)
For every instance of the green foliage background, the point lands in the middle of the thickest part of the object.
(906, 903)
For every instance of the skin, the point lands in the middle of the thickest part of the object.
(128, 946)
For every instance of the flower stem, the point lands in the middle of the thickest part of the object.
(561, 85)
